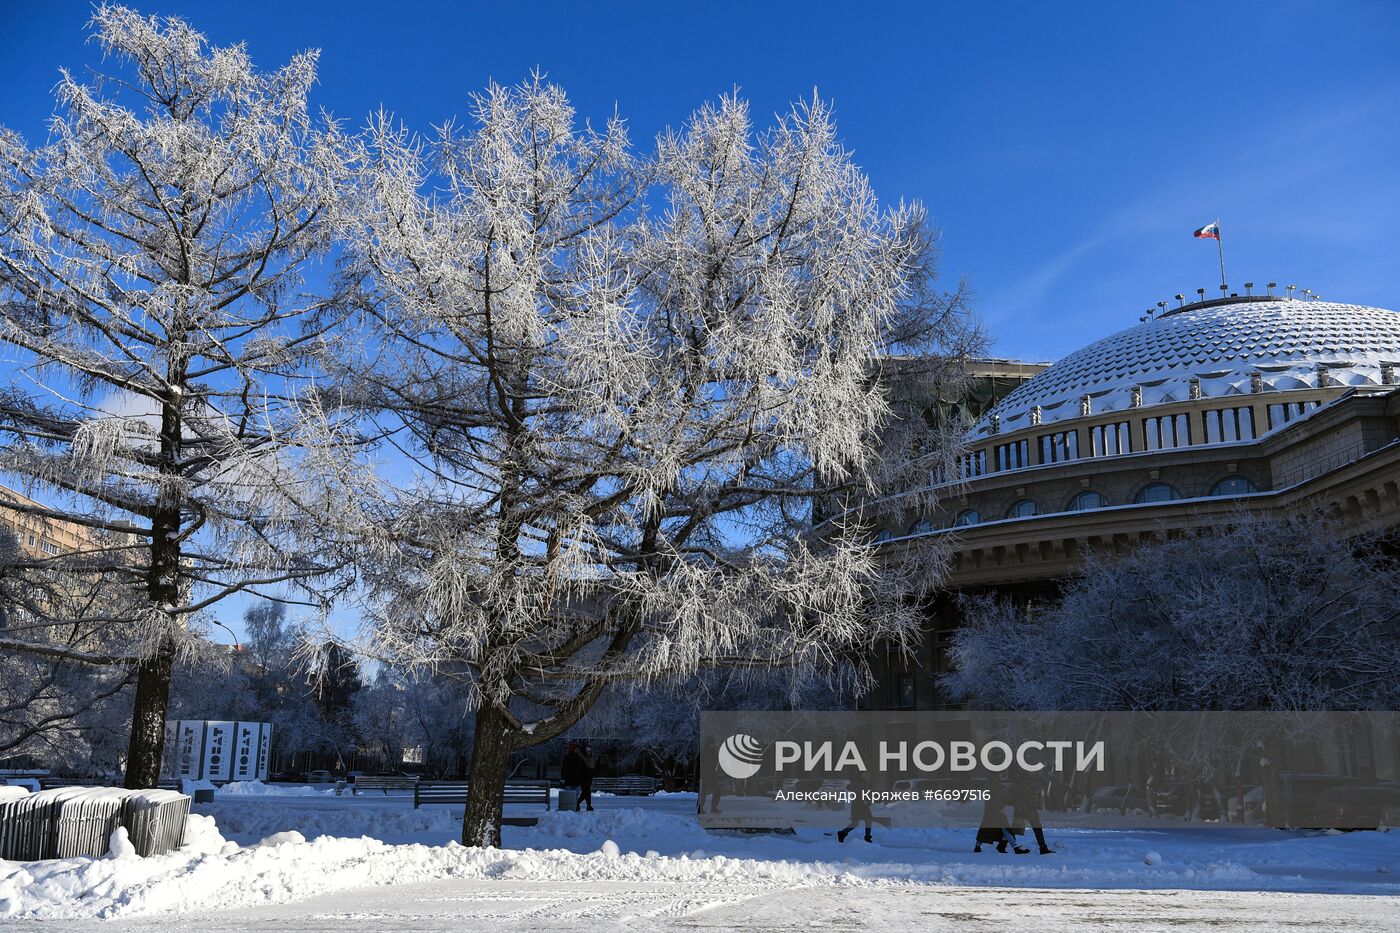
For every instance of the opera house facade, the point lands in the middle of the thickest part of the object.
(1257, 403)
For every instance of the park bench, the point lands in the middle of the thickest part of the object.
(526, 792)
(384, 783)
(49, 783)
(628, 784)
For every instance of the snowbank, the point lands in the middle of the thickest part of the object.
(295, 849)
(259, 789)
(214, 874)
(247, 821)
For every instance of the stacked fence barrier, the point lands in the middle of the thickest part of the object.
(79, 821)
(155, 821)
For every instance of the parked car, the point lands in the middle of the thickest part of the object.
(1299, 792)
(832, 787)
(1118, 797)
(1177, 800)
(1359, 807)
(318, 777)
(290, 776)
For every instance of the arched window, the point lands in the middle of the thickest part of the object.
(967, 517)
(1233, 486)
(884, 535)
(922, 526)
(1024, 508)
(1155, 492)
(1087, 500)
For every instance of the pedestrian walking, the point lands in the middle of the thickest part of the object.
(572, 773)
(707, 777)
(994, 828)
(860, 809)
(585, 783)
(1025, 808)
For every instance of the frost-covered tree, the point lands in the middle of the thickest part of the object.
(270, 641)
(153, 256)
(52, 695)
(1289, 614)
(334, 680)
(413, 708)
(621, 380)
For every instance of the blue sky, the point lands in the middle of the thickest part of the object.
(1066, 150)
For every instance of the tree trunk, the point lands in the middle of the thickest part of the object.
(147, 742)
(481, 823)
(146, 746)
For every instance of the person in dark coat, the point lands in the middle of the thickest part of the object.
(860, 809)
(994, 828)
(585, 777)
(1025, 809)
(571, 772)
(707, 775)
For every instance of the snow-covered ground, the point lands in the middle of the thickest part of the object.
(330, 858)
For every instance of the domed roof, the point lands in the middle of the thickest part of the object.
(1222, 344)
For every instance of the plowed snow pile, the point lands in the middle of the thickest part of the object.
(274, 861)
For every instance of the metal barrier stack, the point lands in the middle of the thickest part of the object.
(83, 820)
(24, 825)
(155, 820)
(79, 821)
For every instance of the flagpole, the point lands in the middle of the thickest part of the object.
(1220, 245)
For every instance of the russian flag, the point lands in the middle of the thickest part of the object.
(1210, 231)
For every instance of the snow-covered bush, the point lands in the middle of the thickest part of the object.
(1269, 614)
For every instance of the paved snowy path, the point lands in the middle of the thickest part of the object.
(377, 864)
(545, 907)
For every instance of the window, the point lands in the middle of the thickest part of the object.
(1167, 431)
(1155, 492)
(1108, 440)
(1060, 446)
(922, 526)
(1229, 424)
(1025, 508)
(1013, 456)
(1087, 500)
(1281, 414)
(973, 464)
(48, 547)
(904, 691)
(1233, 486)
(967, 517)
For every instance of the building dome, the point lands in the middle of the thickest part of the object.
(1290, 344)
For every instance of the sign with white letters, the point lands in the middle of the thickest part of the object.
(218, 750)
